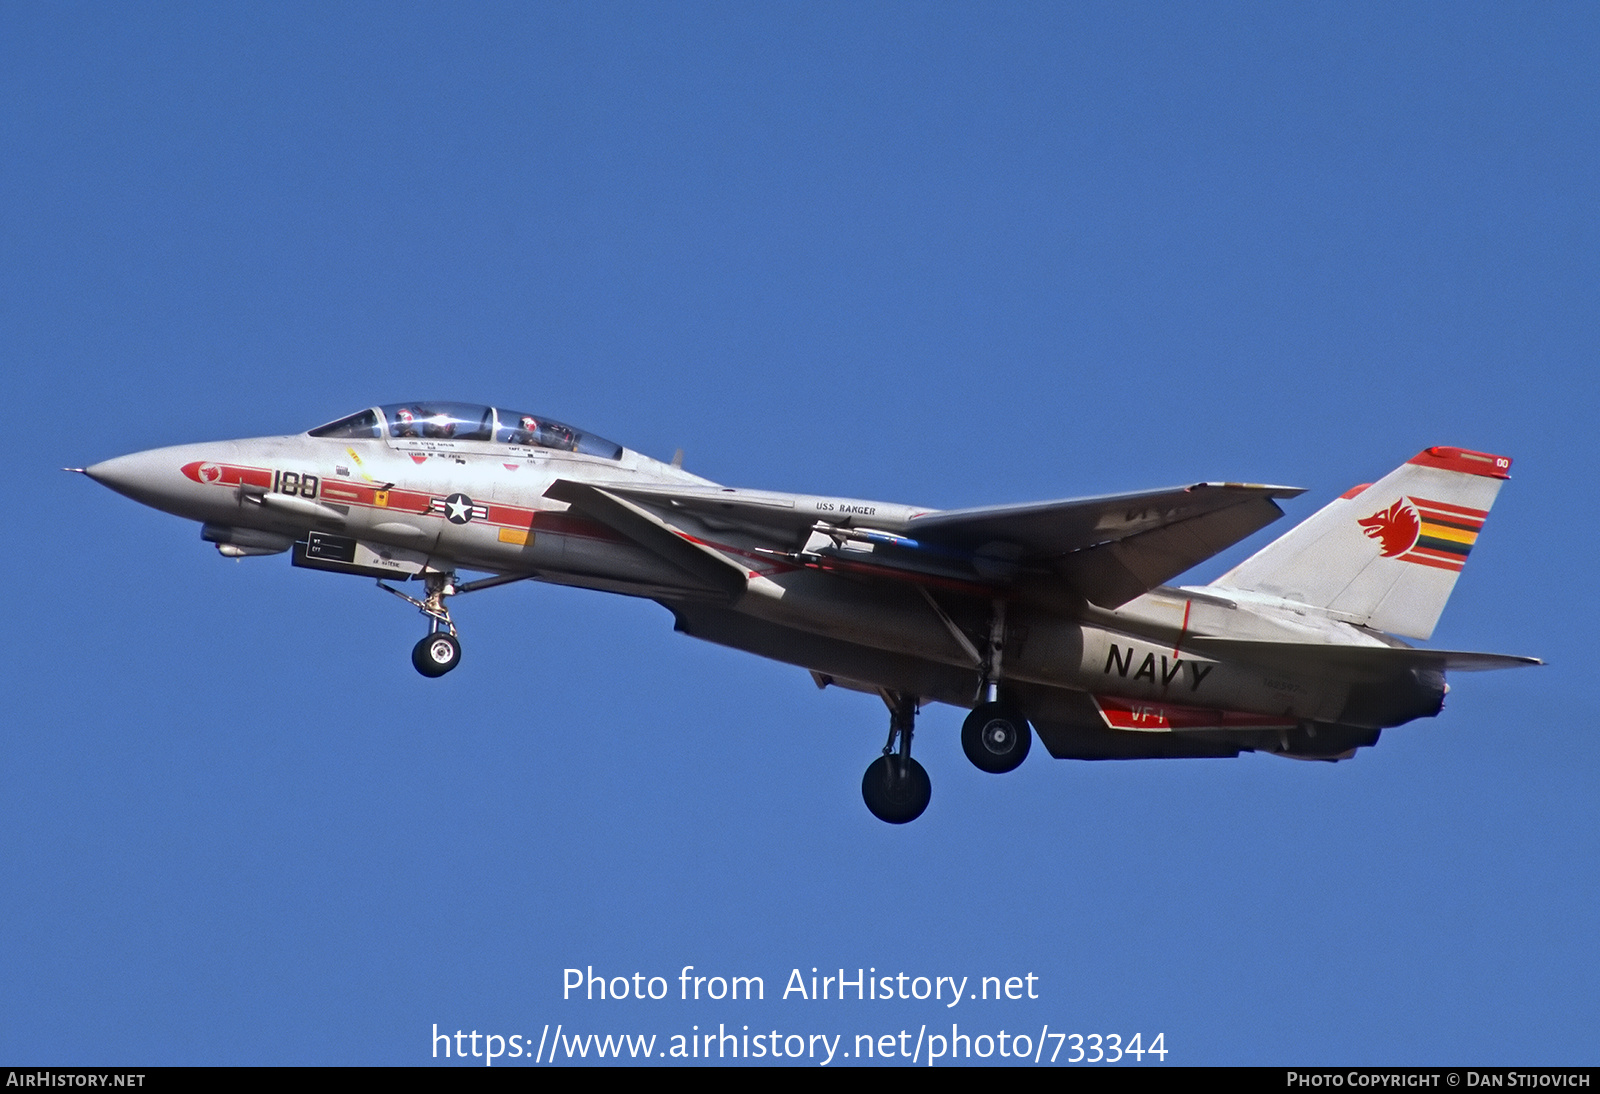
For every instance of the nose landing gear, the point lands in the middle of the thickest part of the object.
(440, 651)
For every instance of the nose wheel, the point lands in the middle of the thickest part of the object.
(436, 654)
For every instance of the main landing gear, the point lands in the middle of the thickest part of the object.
(895, 787)
(995, 736)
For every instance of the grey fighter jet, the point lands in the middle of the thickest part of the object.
(1051, 618)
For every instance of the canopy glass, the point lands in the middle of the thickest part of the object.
(468, 422)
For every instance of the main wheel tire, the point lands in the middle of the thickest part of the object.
(996, 738)
(896, 791)
(436, 654)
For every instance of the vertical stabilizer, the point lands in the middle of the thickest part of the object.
(1386, 555)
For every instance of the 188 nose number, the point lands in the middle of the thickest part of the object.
(292, 482)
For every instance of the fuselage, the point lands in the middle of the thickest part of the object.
(476, 499)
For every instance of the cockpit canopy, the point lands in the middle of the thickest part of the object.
(467, 422)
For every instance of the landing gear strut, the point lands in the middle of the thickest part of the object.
(895, 787)
(995, 737)
(440, 651)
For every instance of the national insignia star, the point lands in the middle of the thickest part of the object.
(458, 508)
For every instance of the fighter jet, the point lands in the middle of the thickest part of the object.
(1050, 619)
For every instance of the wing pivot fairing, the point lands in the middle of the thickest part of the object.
(706, 569)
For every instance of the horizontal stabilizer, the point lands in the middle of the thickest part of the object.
(1374, 662)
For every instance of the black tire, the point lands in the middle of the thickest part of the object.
(896, 791)
(436, 654)
(996, 738)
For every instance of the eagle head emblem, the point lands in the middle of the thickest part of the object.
(1395, 528)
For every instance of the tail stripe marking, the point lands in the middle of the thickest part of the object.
(1435, 558)
(1441, 535)
(1444, 508)
(1446, 538)
(1447, 535)
(1450, 552)
(1450, 529)
(1436, 563)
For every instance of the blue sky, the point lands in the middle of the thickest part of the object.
(942, 254)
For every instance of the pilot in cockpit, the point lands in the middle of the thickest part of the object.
(527, 431)
(405, 422)
(559, 437)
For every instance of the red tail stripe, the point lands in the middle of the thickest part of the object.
(1438, 562)
(1443, 507)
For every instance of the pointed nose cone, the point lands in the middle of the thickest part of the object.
(139, 476)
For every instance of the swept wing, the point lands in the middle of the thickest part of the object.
(1114, 547)
(1110, 548)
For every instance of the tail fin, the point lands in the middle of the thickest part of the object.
(1385, 555)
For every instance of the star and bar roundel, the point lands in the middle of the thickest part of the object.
(1429, 533)
(459, 509)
